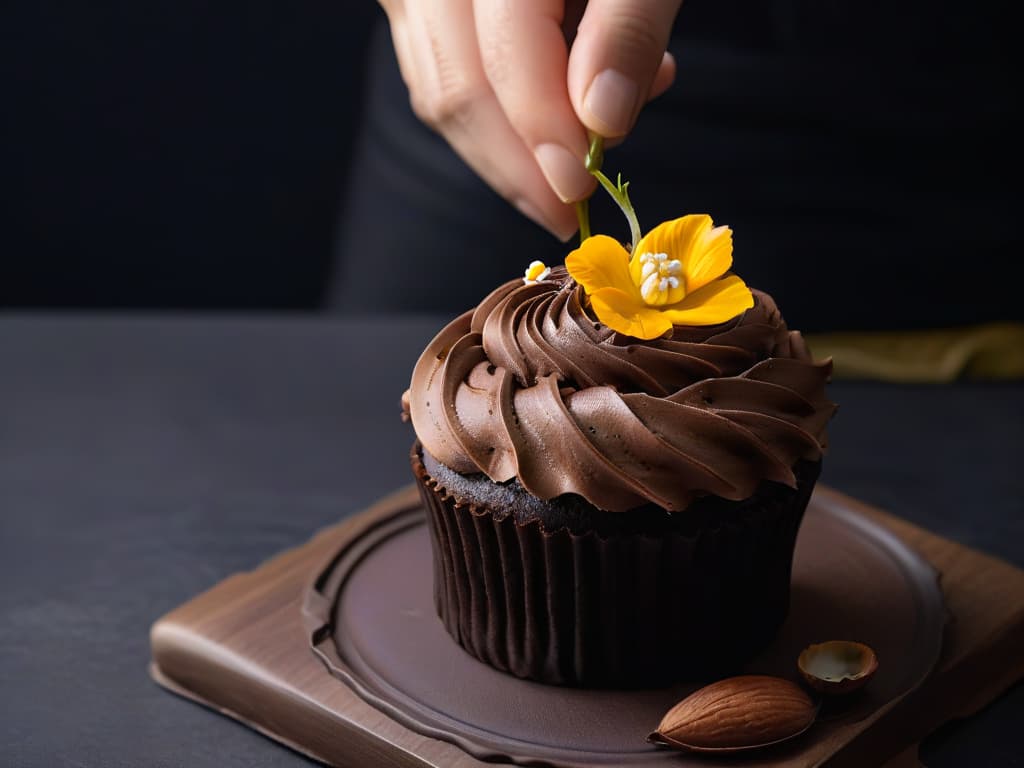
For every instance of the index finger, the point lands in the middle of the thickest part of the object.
(526, 61)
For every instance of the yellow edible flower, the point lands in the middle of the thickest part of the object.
(675, 276)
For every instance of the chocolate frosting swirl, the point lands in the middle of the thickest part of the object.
(529, 386)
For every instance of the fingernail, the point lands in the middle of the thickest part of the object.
(564, 172)
(526, 208)
(610, 103)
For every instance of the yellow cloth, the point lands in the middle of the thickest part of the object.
(992, 351)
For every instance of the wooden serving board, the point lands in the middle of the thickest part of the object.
(244, 649)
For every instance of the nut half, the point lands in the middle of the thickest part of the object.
(837, 666)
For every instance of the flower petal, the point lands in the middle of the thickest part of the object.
(705, 252)
(600, 262)
(626, 313)
(715, 303)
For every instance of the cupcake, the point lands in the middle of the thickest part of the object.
(615, 458)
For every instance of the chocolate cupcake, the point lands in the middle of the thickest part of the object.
(607, 510)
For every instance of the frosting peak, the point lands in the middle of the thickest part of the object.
(529, 386)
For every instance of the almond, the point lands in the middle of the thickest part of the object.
(737, 713)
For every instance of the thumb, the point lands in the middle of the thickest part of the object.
(618, 50)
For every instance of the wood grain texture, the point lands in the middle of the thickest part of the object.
(240, 648)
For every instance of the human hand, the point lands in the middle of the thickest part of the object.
(498, 80)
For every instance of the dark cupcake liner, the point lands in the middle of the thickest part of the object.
(618, 611)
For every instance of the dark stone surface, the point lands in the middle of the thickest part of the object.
(143, 459)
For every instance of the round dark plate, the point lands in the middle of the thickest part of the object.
(372, 621)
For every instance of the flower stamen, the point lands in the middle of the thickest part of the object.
(658, 276)
(536, 272)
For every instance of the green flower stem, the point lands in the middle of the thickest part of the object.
(583, 217)
(595, 153)
(620, 194)
(595, 156)
(618, 191)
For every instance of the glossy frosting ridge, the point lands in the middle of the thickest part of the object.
(527, 386)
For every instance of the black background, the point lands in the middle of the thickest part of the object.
(174, 153)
